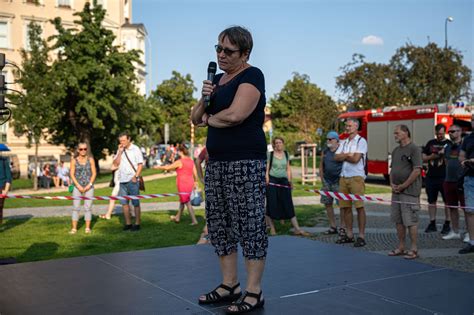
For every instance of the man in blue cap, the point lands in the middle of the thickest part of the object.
(5, 178)
(329, 172)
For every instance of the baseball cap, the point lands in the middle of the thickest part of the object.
(332, 135)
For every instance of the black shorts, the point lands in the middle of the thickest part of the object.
(235, 207)
(433, 186)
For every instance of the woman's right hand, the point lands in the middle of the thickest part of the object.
(207, 88)
(267, 179)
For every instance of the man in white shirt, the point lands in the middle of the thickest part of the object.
(353, 153)
(129, 161)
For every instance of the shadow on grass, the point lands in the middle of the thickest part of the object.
(13, 222)
(40, 251)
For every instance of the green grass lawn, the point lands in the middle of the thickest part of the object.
(36, 239)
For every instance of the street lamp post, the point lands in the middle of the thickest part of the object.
(448, 19)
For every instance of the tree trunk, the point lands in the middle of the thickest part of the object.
(34, 174)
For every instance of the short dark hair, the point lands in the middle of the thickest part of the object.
(438, 127)
(240, 37)
(125, 134)
(456, 125)
(404, 128)
(277, 138)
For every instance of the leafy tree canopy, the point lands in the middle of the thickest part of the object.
(414, 76)
(174, 98)
(94, 85)
(301, 108)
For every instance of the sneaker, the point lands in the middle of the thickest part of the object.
(127, 227)
(467, 250)
(452, 236)
(431, 227)
(466, 238)
(446, 228)
(135, 228)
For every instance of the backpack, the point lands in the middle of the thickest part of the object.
(364, 159)
(271, 158)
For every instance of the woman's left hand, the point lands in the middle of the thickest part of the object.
(204, 120)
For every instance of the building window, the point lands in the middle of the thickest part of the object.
(33, 1)
(65, 3)
(4, 40)
(102, 3)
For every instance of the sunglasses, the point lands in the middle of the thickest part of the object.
(329, 139)
(82, 149)
(226, 51)
(453, 131)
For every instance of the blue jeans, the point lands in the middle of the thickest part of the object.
(469, 193)
(129, 189)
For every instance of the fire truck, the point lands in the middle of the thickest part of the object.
(377, 127)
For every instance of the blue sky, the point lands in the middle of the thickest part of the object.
(315, 37)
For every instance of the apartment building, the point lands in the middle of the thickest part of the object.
(16, 15)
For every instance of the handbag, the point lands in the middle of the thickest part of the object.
(70, 188)
(196, 197)
(112, 182)
(141, 182)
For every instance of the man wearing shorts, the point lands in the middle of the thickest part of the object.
(466, 156)
(329, 172)
(353, 153)
(129, 161)
(405, 181)
(433, 154)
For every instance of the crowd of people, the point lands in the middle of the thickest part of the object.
(449, 174)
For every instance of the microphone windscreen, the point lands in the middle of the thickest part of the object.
(212, 68)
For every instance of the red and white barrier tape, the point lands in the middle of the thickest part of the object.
(352, 197)
(137, 197)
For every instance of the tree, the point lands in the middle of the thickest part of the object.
(301, 108)
(368, 85)
(94, 85)
(175, 98)
(431, 74)
(34, 111)
(414, 76)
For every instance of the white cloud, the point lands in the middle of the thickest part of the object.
(372, 40)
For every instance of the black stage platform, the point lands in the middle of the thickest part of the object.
(302, 277)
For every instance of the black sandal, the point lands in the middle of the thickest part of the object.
(332, 230)
(342, 232)
(244, 307)
(345, 239)
(360, 242)
(215, 297)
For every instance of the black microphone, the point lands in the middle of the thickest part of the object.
(211, 72)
